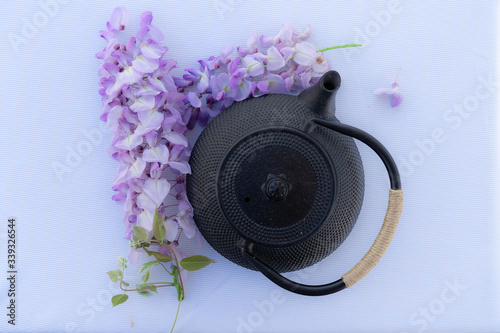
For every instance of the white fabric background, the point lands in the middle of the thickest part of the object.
(70, 232)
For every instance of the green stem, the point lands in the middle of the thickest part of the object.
(167, 284)
(176, 262)
(338, 47)
(176, 315)
(123, 275)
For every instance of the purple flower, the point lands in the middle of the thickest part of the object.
(251, 46)
(396, 95)
(305, 54)
(130, 142)
(119, 18)
(172, 229)
(253, 66)
(159, 153)
(276, 84)
(137, 168)
(274, 59)
(394, 92)
(185, 219)
(154, 192)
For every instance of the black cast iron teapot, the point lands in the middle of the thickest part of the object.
(277, 184)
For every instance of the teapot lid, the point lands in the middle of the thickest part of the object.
(276, 186)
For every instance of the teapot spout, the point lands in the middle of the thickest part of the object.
(320, 98)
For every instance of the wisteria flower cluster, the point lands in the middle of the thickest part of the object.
(149, 112)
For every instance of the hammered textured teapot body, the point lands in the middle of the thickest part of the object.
(277, 184)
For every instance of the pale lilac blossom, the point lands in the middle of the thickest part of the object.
(150, 111)
(393, 92)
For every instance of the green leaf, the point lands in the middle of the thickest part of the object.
(195, 262)
(162, 257)
(119, 299)
(149, 286)
(144, 292)
(126, 284)
(159, 256)
(122, 262)
(115, 275)
(140, 233)
(158, 228)
(148, 265)
(145, 277)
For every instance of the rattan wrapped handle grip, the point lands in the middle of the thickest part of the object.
(381, 243)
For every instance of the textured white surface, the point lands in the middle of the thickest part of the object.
(70, 232)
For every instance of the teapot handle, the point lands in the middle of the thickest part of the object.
(379, 246)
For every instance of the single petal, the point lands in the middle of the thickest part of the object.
(146, 203)
(157, 84)
(144, 103)
(158, 153)
(252, 41)
(142, 34)
(204, 81)
(119, 197)
(305, 79)
(233, 65)
(263, 86)
(114, 114)
(127, 77)
(266, 41)
(276, 84)
(186, 222)
(151, 138)
(151, 119)
(181, 166)
(306, 34)
(155, 171)
(145, 219)
(194, 100)
(145, 19)
(156, 189)
(155, 33)
(397, 97)
(136, 169)
(121, 174)
(305, 54)
(285, 34)
(172, 229)
(152, 51)
(119, 18)
(130, 46)
(147, 91)
(145, 65)
(244, 89)
(254, 67)
(130, 142)
(175, 138)
(275, 60)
